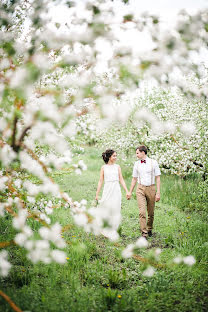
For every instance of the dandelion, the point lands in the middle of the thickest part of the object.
(67, 258)
(119, 296)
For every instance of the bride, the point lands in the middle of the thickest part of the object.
(110, 203)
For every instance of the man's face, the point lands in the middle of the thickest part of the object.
(139, 154)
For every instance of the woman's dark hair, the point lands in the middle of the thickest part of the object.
(107, 154)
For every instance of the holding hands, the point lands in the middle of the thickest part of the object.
(128, 195)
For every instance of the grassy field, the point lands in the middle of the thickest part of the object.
(96, 277)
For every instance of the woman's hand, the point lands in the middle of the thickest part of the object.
(96, 197)
(128, 195)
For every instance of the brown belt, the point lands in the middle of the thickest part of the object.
(145, 185)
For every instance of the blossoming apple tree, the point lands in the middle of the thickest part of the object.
(51, 73)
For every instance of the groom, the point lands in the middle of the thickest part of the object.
(145, 171)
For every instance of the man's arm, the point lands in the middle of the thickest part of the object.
(157, 196)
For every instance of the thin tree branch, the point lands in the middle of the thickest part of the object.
(157, 265)
(14, 134)
(24, 134)
(6, 244)
(10, 302)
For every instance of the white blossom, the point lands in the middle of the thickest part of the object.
(5, 266)
(178, 259)
(3, 180)
(188, 128)
(2, 209)
(58, 256)
(18, 78)
(141, 242)
(53, 234)
(7, 155)
(189, 260)
(128, 251)
(149, 272)
(82, 165)
(80, 219)
(19, 221)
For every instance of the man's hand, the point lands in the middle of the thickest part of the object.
(157, 197)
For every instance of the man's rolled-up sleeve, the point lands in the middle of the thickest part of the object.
(157, 169)
(135, 171)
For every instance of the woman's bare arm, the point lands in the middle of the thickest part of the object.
(100, 183)
(121, 179)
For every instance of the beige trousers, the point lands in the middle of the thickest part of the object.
(146, 197)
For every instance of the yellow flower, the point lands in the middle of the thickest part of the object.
(67, 258)
(73, 236)
(119, 296)
(188, 217)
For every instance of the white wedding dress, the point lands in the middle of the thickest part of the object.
(110, 203)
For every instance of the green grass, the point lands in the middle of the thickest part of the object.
(96, 277)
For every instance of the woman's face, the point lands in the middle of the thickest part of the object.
(113, 157)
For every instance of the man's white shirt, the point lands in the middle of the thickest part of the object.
(146, 172)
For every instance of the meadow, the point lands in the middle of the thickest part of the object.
(96, 277)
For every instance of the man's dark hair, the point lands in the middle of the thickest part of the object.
(142, 148)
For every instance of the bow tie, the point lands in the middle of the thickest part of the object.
(143, 161)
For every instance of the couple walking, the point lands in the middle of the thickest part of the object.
(146, 174)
